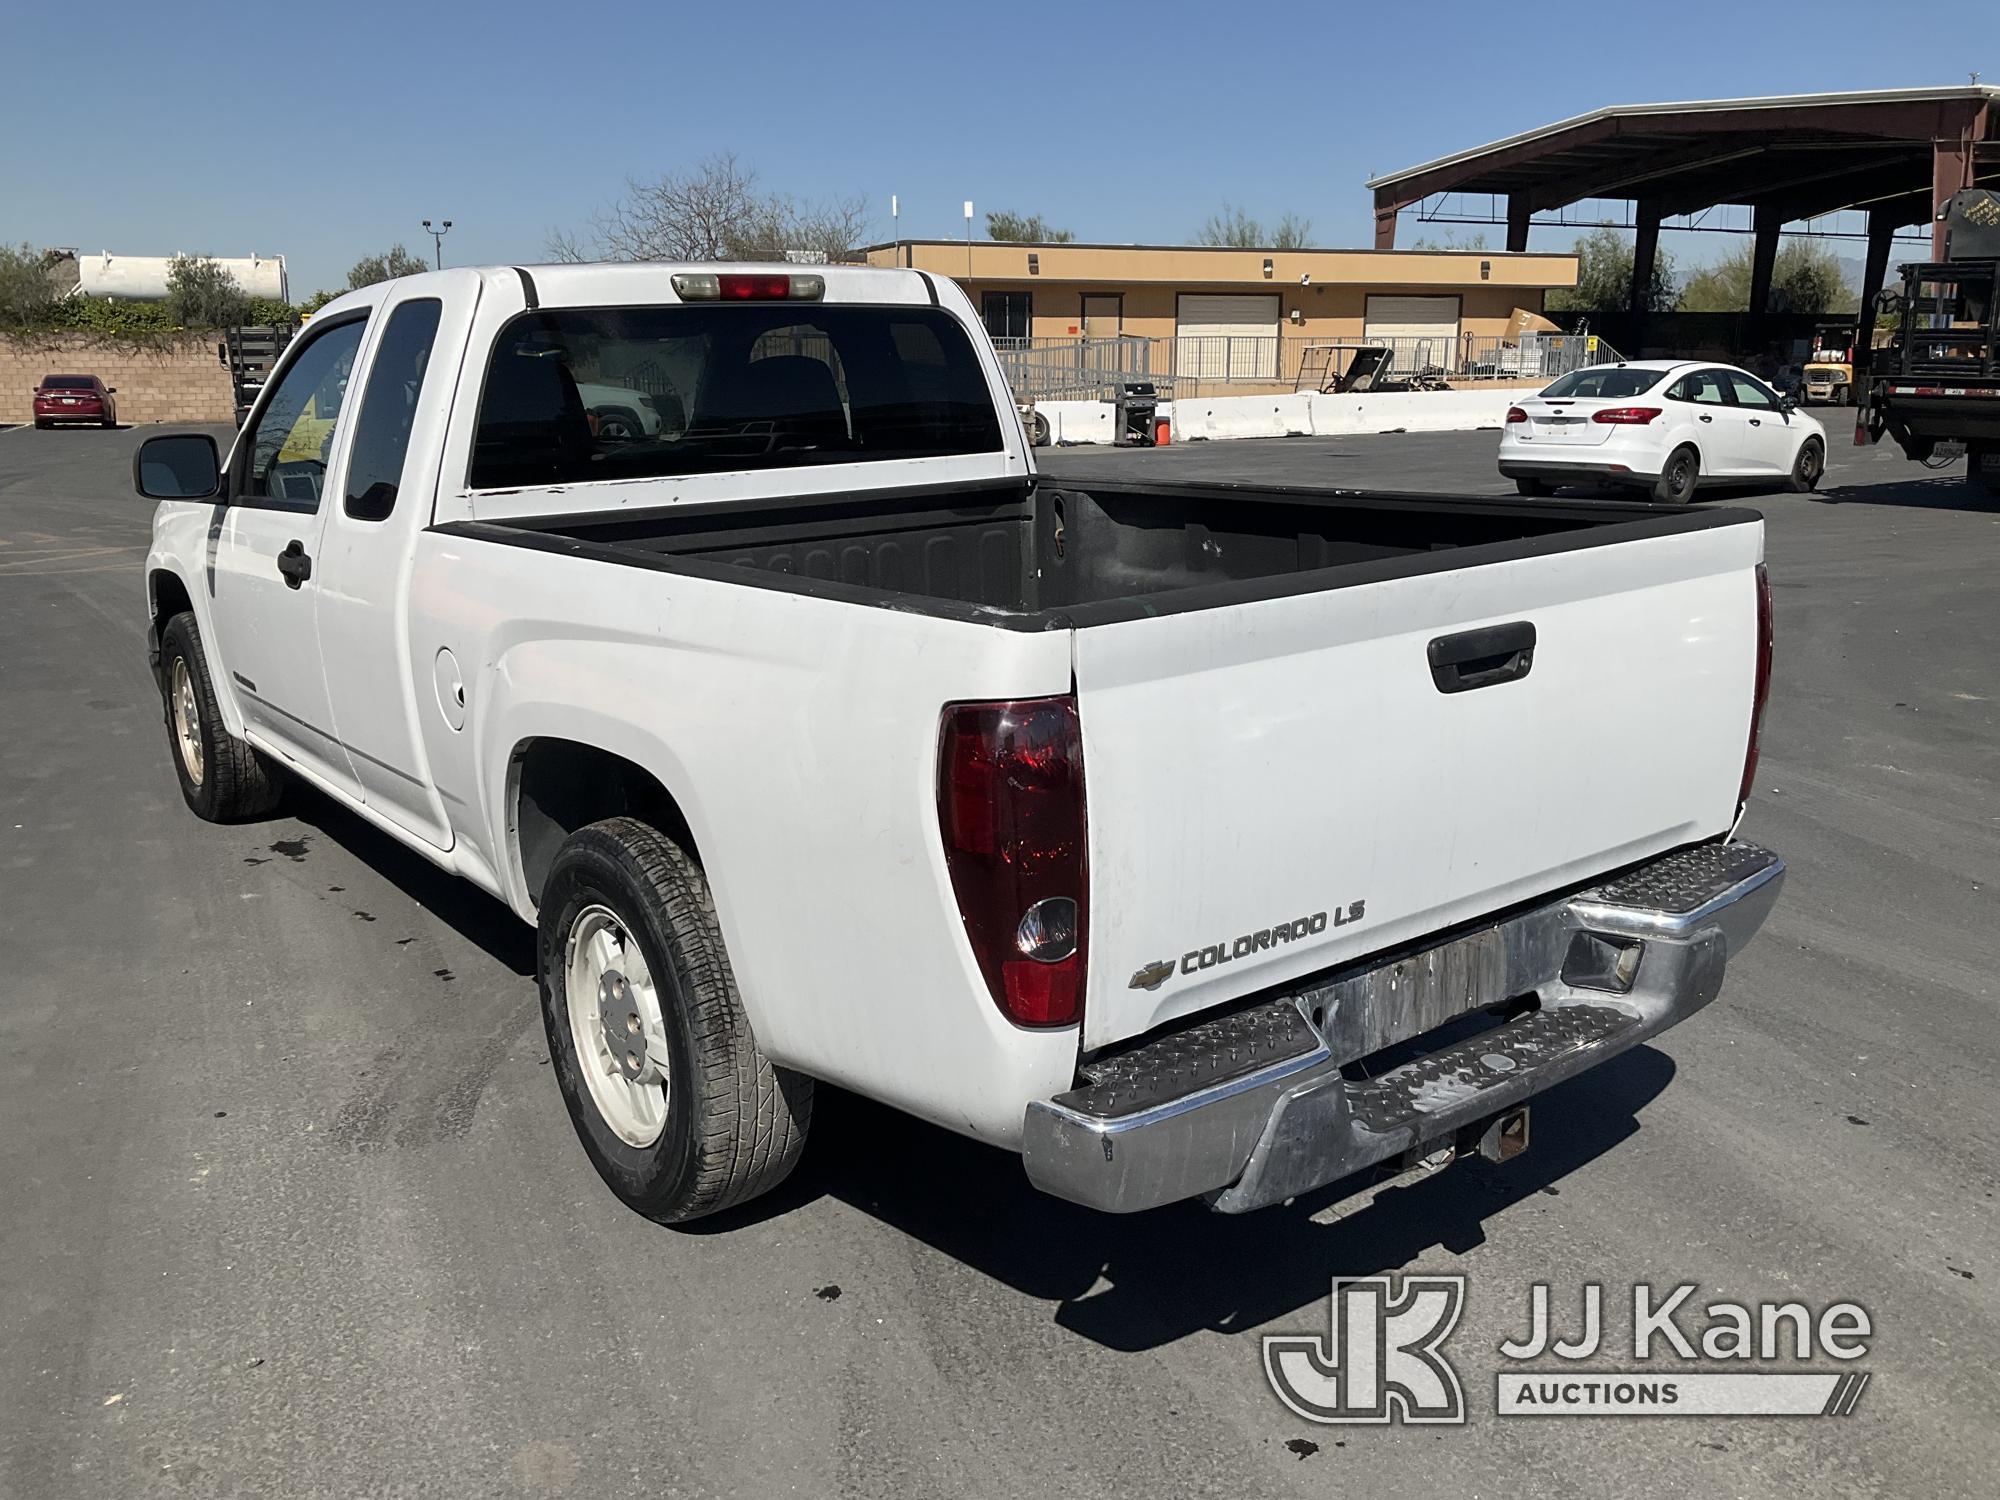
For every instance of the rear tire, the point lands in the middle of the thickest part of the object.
(1680, 477)
(1808, 468)
(719, 1124)
(222, 779)
(1534, 489)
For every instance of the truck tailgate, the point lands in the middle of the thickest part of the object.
(1283, 785)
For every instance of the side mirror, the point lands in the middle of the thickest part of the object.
(111, 390)
(178, 466)
(1788, 404)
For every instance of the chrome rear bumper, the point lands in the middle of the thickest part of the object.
(1254, 1107)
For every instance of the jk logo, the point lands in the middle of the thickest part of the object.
(1381, 1361)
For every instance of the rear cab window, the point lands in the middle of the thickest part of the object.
(1612, 382)
(70, 383)
(579, 394)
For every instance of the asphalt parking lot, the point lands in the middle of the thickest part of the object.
(291, 1204)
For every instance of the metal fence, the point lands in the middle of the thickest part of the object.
(1083, 369)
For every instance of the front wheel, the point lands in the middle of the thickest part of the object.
(676, 1105)
(1679, 477)
(1808, 468)
(222, 779)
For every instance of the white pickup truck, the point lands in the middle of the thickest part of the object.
(1193, 842)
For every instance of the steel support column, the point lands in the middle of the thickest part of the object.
(1951, 164)
(1518, 212)
(1645, 256)
(1764, 257)
(1385, 226)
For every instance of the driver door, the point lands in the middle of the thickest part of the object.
(285, 463)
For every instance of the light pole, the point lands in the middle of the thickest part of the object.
(437, 239)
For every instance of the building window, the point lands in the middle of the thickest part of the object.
(1006, 314)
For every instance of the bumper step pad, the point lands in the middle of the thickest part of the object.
(1258, 1106)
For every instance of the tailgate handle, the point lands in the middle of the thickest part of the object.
(1479, 658)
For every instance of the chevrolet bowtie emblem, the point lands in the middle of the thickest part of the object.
(1153, 975)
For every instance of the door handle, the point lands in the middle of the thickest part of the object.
(1480, 658)
(293, 563)
(1756, 421)
(1706, 417)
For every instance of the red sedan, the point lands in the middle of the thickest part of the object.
(75, 398)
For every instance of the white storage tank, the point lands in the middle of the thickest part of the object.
(143, 278)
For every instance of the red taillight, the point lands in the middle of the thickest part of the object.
(747, 286)
(1625, 416)
(1010, 806)
(1761, 692)
(1515, 414)
(754, 288)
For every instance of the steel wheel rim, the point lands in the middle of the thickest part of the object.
(1809, 463)
(601, 948)
(187, 720)
(1682, 466)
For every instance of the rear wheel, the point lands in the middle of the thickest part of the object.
(1808, 468)
(222, 779)
(1679, 477)
(1532, 488)
(676, 1106)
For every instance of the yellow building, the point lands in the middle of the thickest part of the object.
(1244, 317)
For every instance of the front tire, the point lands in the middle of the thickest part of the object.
(222, 779)
(1679, 477)
(1808, 468)
(675, 1104)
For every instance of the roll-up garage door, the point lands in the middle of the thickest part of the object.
(1421, 330)
(1227, 338)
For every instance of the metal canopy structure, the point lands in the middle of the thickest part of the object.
(1898, 154)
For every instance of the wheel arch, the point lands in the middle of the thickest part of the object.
(557, 785)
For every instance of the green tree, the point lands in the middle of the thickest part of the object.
(1235, 228)
(391, 263)
(1030, 229)
(1604, 277)
(1805, 278)
(27, 296)
(202, 294)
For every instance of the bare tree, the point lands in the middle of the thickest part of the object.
(1233, 227)
(715, 211)
(1292, 233)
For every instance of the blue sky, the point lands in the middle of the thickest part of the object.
(327, 132)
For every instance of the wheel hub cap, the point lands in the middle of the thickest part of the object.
(617, 1026)
(187, 720)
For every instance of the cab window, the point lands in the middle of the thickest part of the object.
(389, 409)
(292, 439)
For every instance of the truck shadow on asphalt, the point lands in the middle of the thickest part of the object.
(1946, 492)
(1146, 1280)
(470, 912)
(1131, 1282)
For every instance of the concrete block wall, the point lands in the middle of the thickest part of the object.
(182, 381)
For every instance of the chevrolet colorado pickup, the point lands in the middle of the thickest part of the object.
(1193, 842)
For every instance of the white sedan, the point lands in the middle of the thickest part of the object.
(1666, 425)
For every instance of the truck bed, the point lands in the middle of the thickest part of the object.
(1058, 556)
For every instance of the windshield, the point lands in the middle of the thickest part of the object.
(583, 394)
(1605, 380)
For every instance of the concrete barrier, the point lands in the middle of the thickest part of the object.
(1310, 415)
